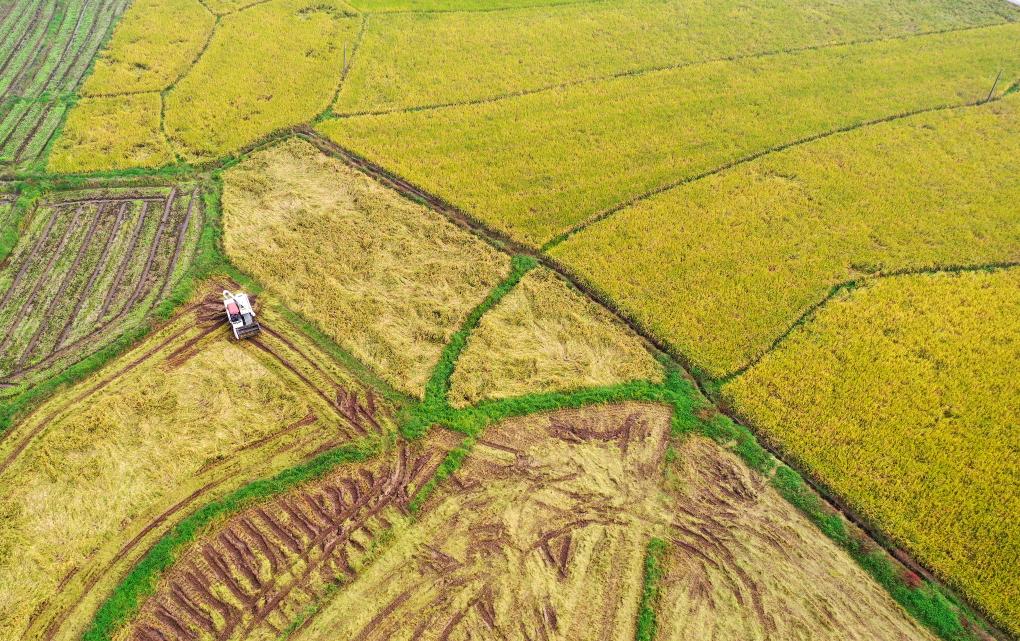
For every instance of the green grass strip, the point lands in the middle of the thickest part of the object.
(647, 625)
(438, 386)
(925, 601)
(128, 596)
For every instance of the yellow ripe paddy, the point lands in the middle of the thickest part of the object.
(112, 133)
(901, 397)
(153, 45)
(720, 268)
(534, 166)
(254, 79)
(543, 337)
(420, 59)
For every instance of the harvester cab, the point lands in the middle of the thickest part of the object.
(240, 315)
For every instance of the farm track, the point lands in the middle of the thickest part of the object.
(43, 68)
(52, 296)
(352, 413)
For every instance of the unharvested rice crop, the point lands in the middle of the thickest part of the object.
(545, 336)
(46, 48)
(112, 133)
(89, 265)
(104, 468)
(271, 66)
(248, 578)
(153, 45)
(721, 267)
(541, 534)
(418, 59)
(534, 166)
(447, 5)
(388, 279)
(901, 397)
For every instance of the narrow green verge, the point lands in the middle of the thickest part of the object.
(141, 581)
(647, 625)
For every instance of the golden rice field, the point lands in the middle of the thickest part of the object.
(421, 59)
(538, 281)
(901, 397)
(388, 279)
(153, 45)
(534, 166)
(252, 79)
(112, 132)
(721, 267)
(544, 336)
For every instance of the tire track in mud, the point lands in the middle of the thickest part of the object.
(29, 258)
(280, 551)
(96, 271)
(149, 286)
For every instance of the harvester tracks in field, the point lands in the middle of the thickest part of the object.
(265, 564)
(351, 414)
(108, 252)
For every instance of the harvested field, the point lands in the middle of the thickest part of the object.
(901, 396)
(721, 267)
(97, 473)
(744, 565)
(534, 166)
(46, 48)
(388, 279)
(544, 336)
(262, 568)
(89, 265)
(541, 535)
(434, 58)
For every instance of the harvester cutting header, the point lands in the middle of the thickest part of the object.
(240, 314)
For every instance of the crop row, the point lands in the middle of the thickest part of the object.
(87, 267)
(47, 48)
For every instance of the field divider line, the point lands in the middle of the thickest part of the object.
(349, 63)
(643, 71)
(743, 160)
(486, 412)
(850, 285)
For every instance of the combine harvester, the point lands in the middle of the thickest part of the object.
(240, 314)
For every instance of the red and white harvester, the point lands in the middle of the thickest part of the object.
(240, 314)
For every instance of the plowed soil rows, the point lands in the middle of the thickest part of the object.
(88, 266)
(263, 567)
(100, 471)
(542, 534)
(46, 48)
